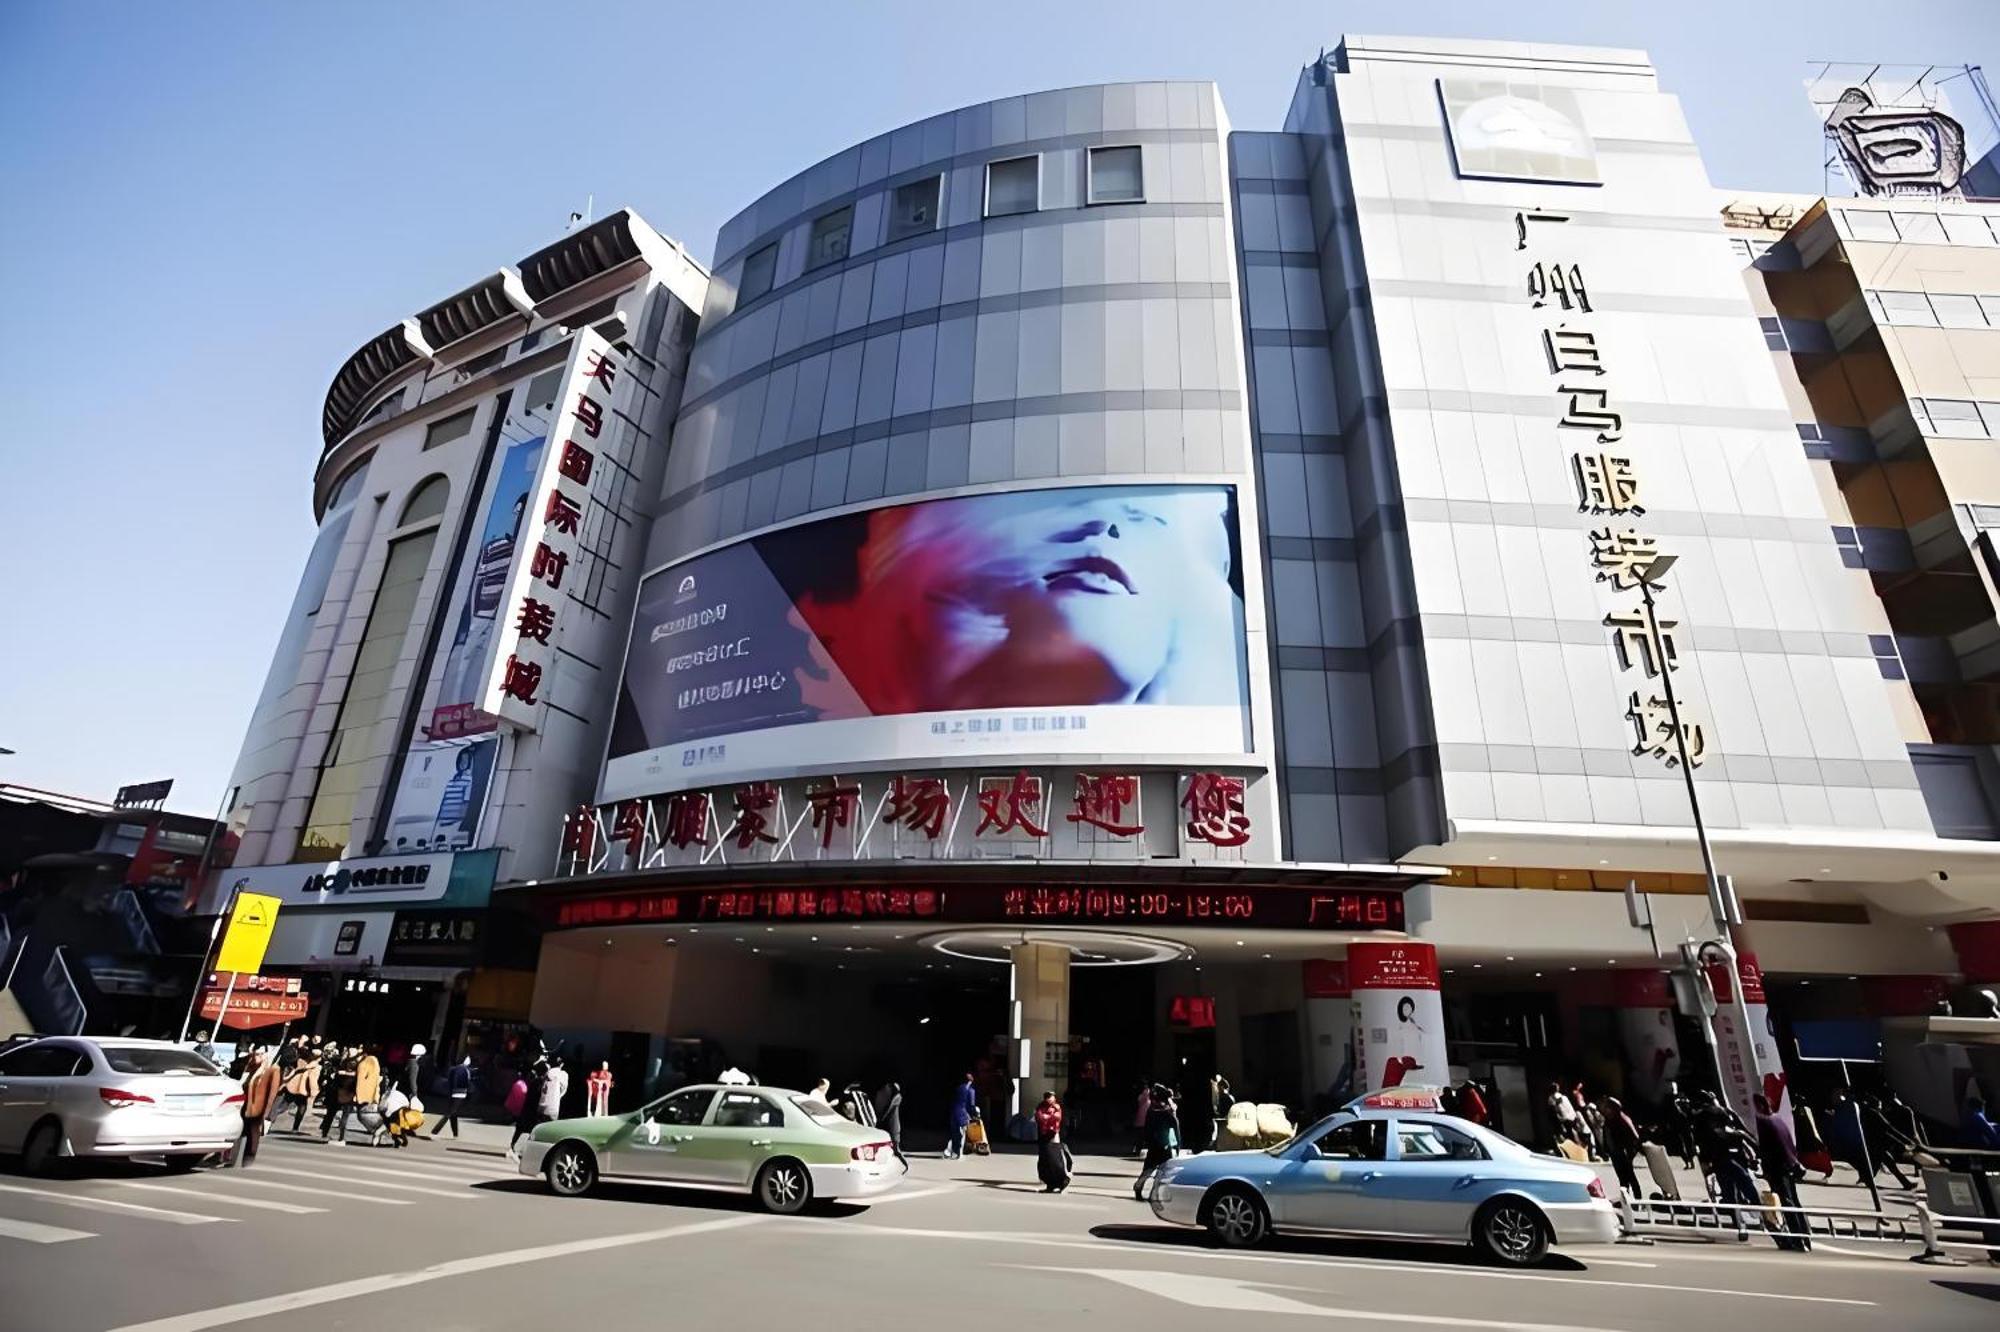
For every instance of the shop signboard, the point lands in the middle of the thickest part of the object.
(1398, 1016)
(1339, 909)
(520, 667)
(416, 878)
(435, 939)
(1070, 620)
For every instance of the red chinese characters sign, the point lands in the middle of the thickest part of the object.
(551, 536)
(1196, 1011)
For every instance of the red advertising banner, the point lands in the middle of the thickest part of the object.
(1642, 989)
(1392, 966)
(1753, 980)
(253, 1008)
(1326, 979)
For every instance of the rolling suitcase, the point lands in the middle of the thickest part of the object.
(1661, 1167)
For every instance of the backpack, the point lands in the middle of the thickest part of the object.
(517, 1097)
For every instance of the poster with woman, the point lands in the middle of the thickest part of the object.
(1398, 1016)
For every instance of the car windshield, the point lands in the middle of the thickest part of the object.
(157, 1059)
(819, 1111)
(1309, 1132)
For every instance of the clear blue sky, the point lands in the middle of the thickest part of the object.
(208, 207)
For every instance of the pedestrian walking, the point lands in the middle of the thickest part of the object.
(260, 1095)
(1220, 1098)
(1726, 1152)
(337, 1092)
(889, 1114)
(1163, 1136)
(1888, 1140)
(1622, 1143)
(524, 1102)
(964, 1102)
(597, 1089)
(1676, 1127)
(457, 1091)
(1777, 1153)
(1141, 1109)
(1052, 1160)
(203, 1047)
(555, 1086)
(414, 1074)
(301, 1086)
(1563, 1111)
(1471, 1105)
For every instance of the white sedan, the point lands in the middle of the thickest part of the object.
(75, 1096)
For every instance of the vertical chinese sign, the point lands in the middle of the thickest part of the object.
(1605, 467)
(547, 555)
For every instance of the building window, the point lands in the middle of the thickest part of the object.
(541, 391)
(1774, 333)
(1955, 310)
(1868, 225)
(426, 501)
(914, 208)
(383, 410)
(1920, 228)
(1908, 308)
(1013, 186)
(1966, 229)
(1117, 175)
(831, 233)
(440, 433)
(1954, 418)
(1887, 660)
(330, 817)
(758, 271)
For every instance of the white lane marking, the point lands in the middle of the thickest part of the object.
(911, 1196)
(460, 1195)
(215, 1197)
(36, 1233)
(1207, 1292)
(323, 1167)
(113, 1205)
(1365, 1264)
(491, 1167)
(240, 1178)
(347, 1290)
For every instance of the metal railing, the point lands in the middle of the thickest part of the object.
(127, 907)
(56, 974)
(1845, 1225)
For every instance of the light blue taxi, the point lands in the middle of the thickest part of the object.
(1392, 1164)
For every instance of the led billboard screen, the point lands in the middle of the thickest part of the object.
(1097, 620)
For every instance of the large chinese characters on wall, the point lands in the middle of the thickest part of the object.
(1103, 619)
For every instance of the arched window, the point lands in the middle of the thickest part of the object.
(426, 501)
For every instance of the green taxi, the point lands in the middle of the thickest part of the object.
(784, 1147)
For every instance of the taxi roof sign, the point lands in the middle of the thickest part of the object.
(1400, 1098)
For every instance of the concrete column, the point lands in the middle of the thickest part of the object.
(1329, 1029)
(1040, 984)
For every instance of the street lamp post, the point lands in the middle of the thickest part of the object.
(1722, 906)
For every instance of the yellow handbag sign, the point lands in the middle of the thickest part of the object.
(250, 924)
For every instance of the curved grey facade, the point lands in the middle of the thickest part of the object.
(1076, 340)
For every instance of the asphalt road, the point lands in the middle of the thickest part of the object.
(439, 1236)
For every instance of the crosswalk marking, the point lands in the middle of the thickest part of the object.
(461, 1195)
(113, 1205)
(36, 1233)
(222, 1197)
(440, 1172)
(240, 1177)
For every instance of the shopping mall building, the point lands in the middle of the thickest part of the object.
(1087, 593)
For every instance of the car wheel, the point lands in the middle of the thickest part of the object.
(1236, 1218)
(1511, 1232)
(42, 1152)
(784, 1187)
(570, 1170)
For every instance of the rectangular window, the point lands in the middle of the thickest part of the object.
(1117, 175)
(1774, 332)
(443, 432)
(1920, 228)
(914, 209)
(1868, 225)
(831, 233)
(330, 819)
(1013, 186)
(1955, 418)
(1907, 307)
(541, 392)
(1990, 306)
(1966, 228)
(1957, 311)
(758, 271)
